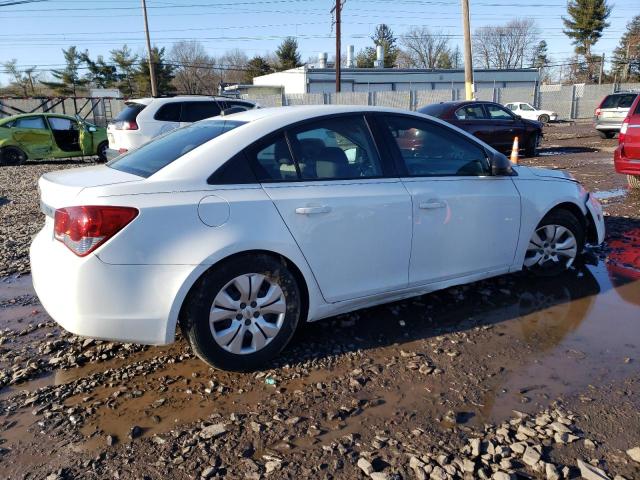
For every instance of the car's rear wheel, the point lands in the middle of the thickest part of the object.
(242, 313)
(544, 118)
(102, 151)
(555, 244)
(605, 134)
(633, 181)
(12, 156)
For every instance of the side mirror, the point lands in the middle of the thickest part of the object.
(500, 165)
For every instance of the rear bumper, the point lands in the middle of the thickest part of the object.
(112, 153)
(624, 164)
(609, 127)
(87, 297)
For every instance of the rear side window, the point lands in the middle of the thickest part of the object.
(435, 110)
(498, 113)
(169, 112)
(31, 122)
(151, 157)
(196, 111)
(130, 112)
(272, 160)
(59, 123)
(470, 112)
(618, 101)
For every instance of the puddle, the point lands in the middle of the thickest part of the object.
(545, 338)
(607, 194)
(554, 151)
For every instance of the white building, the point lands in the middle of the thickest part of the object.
(308, 79)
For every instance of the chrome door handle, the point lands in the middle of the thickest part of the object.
(312, 210)
(432, 205)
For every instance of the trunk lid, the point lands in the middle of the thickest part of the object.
(60, 189)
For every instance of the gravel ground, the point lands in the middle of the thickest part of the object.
(507, 378)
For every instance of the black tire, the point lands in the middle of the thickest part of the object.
(102, 151)
(195, 314)
(10, 156)
(544, 118)
(568, 220)
(531, 150)
(606, 134)
(633, 181)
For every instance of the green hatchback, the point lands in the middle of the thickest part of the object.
(49, 135)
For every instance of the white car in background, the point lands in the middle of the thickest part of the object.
(143, 119)
(528, 111)
(240, 228)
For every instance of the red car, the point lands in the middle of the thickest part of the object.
(627, 155)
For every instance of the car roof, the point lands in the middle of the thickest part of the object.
(35, 114)
(180, 98)
(293, 113)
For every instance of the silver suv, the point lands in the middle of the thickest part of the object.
(611, 112)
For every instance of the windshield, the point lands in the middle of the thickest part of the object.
(160, 152)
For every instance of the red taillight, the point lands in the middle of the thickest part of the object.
(122, 150)
(83, 229)
(623, 131)
(597, 112)
(131, 125)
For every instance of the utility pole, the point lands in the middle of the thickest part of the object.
(627, 70)
(152, 73)
(601, 70)
(468, 65)
(337, 9)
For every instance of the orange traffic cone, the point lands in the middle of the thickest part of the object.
(514, 151)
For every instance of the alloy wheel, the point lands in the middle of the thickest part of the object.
(551, 245)
(247, 313)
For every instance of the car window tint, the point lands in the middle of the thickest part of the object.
(512, 106)
(242, 105)
(470, 112)
(58, 123)
(337, 148)
(129, 113)
(428, 149)
(169, 112)
(31, 122)
(498, 113)
(196, 111)
(526, 107)
(152, 156)
(435, 109)
(272, 160)
(233, 172)
(618, 101)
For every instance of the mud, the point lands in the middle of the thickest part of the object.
(413, 378)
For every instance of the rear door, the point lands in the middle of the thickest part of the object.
(349, 216)
(199, 110)
(473, 119)
(465, 221)
(33, 135)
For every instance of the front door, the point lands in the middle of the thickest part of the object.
(67, 135)
(33, 136)
(505, 127)
(351, 222)
(465, 221)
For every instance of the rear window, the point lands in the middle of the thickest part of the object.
(618, 101)
(130, 112)
(160, 152)
(435, 110)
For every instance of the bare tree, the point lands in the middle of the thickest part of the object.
(23, 80)
(232, 66)
(194, 68)
(505, 46)
(423, 49)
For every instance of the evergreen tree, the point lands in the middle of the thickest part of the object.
(126, 63)
(69, 81)
(626, 56)
(255, 67)
(587, 19)
(539, 58)
(163, 72)
(366, 57)
(288, 55)
(382, 36)
(444, 60)
(100, 73)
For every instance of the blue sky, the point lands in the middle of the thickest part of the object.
(36, 33)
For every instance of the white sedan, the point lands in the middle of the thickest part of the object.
(526, 110)
(239, 228)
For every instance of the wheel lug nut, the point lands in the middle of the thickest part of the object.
(254, 304)
(243, 305)
(256, 314)
(239, 316)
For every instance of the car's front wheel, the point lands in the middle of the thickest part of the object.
(531, 149)
(555, 244)
(12, 156)
(544, 118)
(242, 312)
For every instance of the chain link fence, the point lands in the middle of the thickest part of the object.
(570, 102)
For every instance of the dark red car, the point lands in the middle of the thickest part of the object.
(627, 156)
(490, 122)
